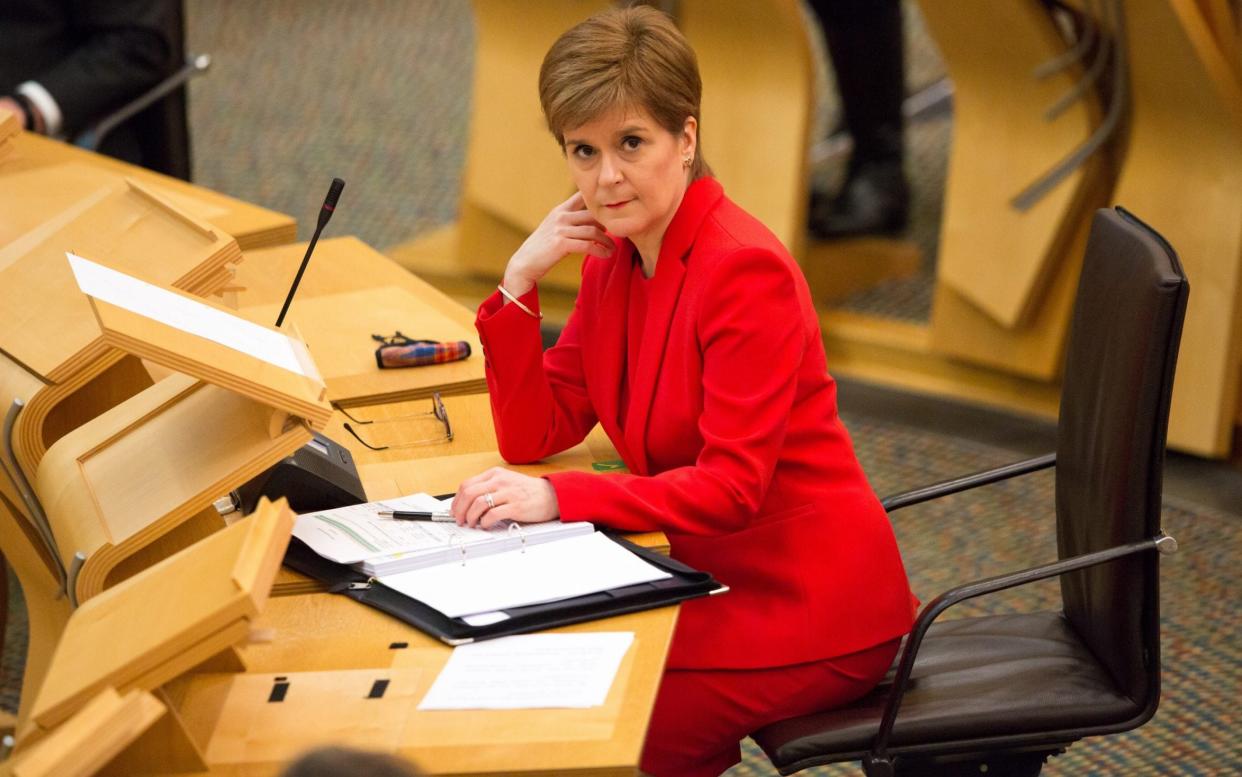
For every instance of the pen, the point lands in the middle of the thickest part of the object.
(415, 515)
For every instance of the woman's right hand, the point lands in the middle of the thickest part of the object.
(568, 229)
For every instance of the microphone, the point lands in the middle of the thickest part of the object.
(325, 213)
(329, 202)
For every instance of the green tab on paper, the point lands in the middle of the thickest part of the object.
(612, 465)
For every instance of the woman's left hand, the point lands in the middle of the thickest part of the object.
(514, 497)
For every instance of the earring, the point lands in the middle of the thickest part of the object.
(686, 160)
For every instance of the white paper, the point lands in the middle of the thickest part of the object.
(486, 618)
(351, 534)
(188, 315)
(358, 535)
(569, 567)
(530, 671)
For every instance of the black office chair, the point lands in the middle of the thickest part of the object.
(1006, 691)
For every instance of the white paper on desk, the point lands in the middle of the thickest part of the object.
(570, 567)
(530, 671)
(196, 318)
(353, 534)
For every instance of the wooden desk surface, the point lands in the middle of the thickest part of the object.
(349, 292)
(251, 225)
(331, 650)
(328, 646)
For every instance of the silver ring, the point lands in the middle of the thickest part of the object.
(488, 498)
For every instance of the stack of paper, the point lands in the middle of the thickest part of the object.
(549, 572)
(374, 545)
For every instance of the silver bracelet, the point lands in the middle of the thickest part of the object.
(516, 301)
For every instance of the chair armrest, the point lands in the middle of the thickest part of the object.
(967, 482)
(1163, 543)
(92, 136)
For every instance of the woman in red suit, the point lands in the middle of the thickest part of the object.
(694, 343)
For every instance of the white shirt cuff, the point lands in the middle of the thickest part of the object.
(46, 103)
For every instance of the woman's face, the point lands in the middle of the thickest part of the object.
(630, 171)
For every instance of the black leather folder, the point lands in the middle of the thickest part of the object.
(685, 583)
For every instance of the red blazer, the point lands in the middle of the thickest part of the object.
(731, 437)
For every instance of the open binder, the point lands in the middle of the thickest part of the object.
(683, 583)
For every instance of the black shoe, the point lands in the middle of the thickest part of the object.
(875, 199)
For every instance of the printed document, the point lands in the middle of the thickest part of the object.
(530, 671)
(574, 566)
(377, 545)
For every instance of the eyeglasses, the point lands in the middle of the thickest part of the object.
(437, 411)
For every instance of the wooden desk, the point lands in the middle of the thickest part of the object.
(331, 650)
(328, 646)
(404, 422)
(250, 225)
(349, 292)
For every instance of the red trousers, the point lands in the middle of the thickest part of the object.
(701, 715)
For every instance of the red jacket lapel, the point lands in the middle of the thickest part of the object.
(701, 196)
(610, 340)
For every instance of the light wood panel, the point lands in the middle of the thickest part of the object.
(898, 353)
(300, 394)
(1036, 351)
(404, 422)
(837, 269)
(331, 649)
(355, 274)
(433, 257)
(340, 264)
(10, 125)
(1183, 175)
(93, 737)
(47, 609)
(514, 168)
(758, 93)
(254, 227)
(995, 256)
(47, 325)
(136, 473)
(158, 624)
(45, 317)
(344, 350)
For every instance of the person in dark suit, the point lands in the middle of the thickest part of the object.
(865, 43)
(695, 344)
(65, 64)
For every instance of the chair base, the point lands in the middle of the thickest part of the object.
(1027, 764)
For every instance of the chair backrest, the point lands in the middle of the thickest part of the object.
(1118, 379)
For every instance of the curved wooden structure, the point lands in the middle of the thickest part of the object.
(254, 227)
(47, 325)
(1183, 175)
(997, 257)
(758, 87)
(138, 482)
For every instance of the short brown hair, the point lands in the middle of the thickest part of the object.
(619, 58)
